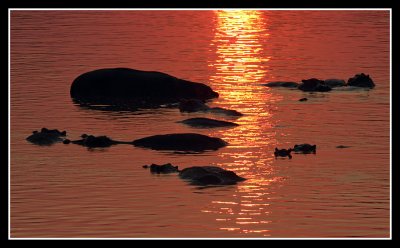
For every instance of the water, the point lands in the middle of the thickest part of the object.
(70, 191)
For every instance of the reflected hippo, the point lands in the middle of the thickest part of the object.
(305, 148)
(92, 141)
(124, 86)
(314, 85)
(46, 136)
(210, 175)
(361, 80)
(207, 123)
(181, 142)
(162, 169)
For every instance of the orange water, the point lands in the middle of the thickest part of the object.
(70, 191)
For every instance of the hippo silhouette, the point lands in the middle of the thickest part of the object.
(361, 80)
(283, 152)
(181, 142)
(207, 123)
(210, 175)
(162, 169)
(314, 84)
(92, 141)
(46, 136)
(135, 88)
(334, 82)
(305, 148)
(282, 84)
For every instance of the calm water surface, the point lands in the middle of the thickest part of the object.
(70, 191)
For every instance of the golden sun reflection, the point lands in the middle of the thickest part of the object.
(239, 68)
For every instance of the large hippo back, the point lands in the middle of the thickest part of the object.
(130, 83)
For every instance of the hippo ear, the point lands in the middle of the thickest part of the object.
(276, 149)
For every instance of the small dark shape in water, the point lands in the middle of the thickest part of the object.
(283, 152)
(181, 142)
(314, 84)
(335, 83)
(305, 148)
(92, 141)
(341, 146)
(361, 80)
(162, 169)
(210, 175)
(207, 123)
(282, 84)
(303, 99)
(46, 136)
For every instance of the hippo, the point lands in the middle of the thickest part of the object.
(314, 84)
(303, 99)
(282, 84)
(361, 80)
(92, 141)
(130, 87)
(46, 136)
(181, 142)
(305, 148)
(162, 169)
(207, 123)
(209, 175)
(283, 152)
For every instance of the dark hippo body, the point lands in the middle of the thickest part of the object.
(207, 123)
(361, 80)
(305, 148)
(181, 142)
(162, 169)
(283, 152)
(46, 136)
(92, 141)
(282, 84)
(210, 175)
(135, 87)
(314, 85)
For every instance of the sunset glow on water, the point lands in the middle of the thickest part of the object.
(62, 191)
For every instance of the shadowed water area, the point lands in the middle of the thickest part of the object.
(72, 191)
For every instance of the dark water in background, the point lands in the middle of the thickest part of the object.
(70, 191)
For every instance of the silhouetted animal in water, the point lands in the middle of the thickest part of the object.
(282, 84)
(361, 80)
(303, 99)
(210, 175)
(46, 136)
(283, 152)
(181, 142)
(207, 123)
(305, 148)
(314, 84)
(92, 141)
(333, 83)
(342, 146)
(162, 169)
(139, 88)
